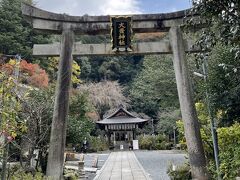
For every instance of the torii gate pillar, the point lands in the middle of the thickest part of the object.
(188, 111)
(61, 106)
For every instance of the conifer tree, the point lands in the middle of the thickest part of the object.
(16, 34)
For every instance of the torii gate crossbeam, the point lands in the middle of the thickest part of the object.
(141, 48)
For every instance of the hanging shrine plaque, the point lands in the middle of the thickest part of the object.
(121, 32)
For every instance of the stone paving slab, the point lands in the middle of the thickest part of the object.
(122, 165)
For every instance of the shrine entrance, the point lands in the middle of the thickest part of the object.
(68, 26)
(121, 139)
(121, 128)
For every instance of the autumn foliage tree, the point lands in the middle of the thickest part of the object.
(10, 124)
(29, 73)
(37, 76)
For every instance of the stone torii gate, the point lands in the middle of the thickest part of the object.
(68, 26)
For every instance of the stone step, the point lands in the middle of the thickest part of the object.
(73, 163)
(87, 169)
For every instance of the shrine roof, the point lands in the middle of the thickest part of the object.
(121, 116)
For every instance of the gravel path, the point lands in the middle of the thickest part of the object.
(156, 162)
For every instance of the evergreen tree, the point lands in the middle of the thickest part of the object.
(121, 68)
(154, 87)
(16, 34)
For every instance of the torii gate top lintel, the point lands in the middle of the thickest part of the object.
(53, 22)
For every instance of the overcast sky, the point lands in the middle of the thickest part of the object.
(112, 7)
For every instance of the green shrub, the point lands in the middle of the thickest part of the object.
(145, 142)
(97, 144)
(152, 142)
(70, 174)
(17, 173)
(180, 173)
(229, 151)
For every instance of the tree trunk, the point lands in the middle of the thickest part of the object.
(5, 160)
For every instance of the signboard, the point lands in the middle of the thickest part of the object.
(135, 145)
(121, 33)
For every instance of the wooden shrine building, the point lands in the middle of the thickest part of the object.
(121, 128)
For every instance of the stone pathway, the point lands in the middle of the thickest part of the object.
(122, 165)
